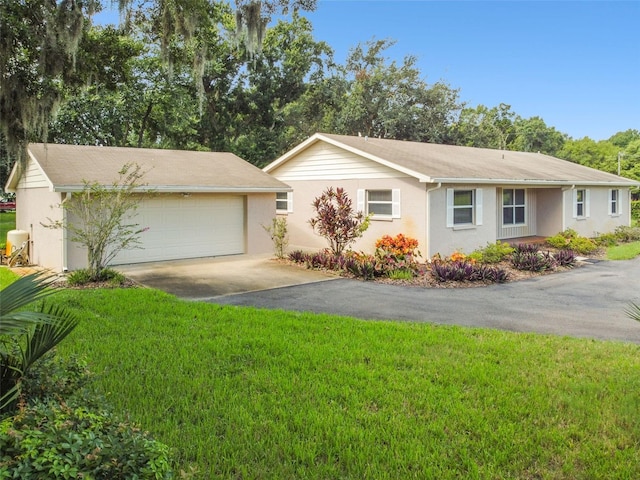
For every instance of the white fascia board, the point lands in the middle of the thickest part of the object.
(535, 183)
(14, 176)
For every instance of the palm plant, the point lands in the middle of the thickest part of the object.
(26, 335)
(633, 312)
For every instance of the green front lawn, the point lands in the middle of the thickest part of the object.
(247, 393)
(624, 251)
(7, 223)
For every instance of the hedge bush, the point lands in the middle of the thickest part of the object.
(48, 440)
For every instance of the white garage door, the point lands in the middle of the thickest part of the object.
(187, 227)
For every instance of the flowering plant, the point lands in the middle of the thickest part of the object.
(398, 246)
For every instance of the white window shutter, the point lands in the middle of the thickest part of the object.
(449, 207)
(574, 200)
(360, 201)
(619, 203)
(478, 206)
(395, 203)
(587, 204)
(290, 202)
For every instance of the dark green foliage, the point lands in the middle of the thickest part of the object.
(47, 440)
(83, 276)
(53, 378)
(27, 335)
(635, 209)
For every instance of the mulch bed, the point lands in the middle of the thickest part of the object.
(428, 281)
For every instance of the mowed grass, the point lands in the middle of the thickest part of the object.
(7, 223)
(625, 251)
(255, 394)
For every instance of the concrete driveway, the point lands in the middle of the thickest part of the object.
(204, 278)
(588, 301)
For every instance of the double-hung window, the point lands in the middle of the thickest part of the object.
(284, 202)
(380, 204)
(581, 206)
(464, 207)
(614, 202)
(513, 206)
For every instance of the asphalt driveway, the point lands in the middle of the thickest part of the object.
(588, 301)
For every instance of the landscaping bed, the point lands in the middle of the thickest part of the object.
(397, 260)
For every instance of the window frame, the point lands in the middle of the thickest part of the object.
(514, 206)
(363, 203)
(288, 199)
(614, 202)
(583, 202)
(476, 206)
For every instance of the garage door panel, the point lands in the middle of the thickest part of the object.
(192, 227)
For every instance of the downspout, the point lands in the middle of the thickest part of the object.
(65, 267)
(564, 210)
(428, 219)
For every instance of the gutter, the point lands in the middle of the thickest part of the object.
(185, 189)
(540, 183)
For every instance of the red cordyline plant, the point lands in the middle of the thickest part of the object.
(336, 220)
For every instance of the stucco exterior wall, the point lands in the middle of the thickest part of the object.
(260, 211)
(412, 221)
(599, 219)
(549, 211)
(35, 207)
(445, 240)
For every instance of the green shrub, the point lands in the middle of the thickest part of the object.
(64, 440)
(83, 276)
(492, 253)
(582, 245)
(635, 209)
(401, 274)
(279, 235)
(569, 239)
(606, 239)
(627, 234)
(52, 377)
(558, 241)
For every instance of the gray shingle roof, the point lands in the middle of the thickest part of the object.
(454, 164)
(68, 166)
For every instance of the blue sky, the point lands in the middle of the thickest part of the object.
(576, 64)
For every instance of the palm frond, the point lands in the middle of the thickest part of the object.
(47, 335)
(20, 293)
(633, 312)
